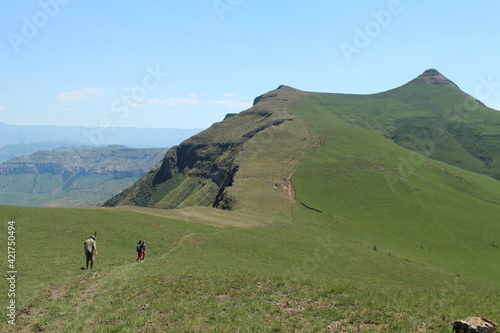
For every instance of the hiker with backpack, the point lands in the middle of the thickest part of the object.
(141, 250)
(90, 251)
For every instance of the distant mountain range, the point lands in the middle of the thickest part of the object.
(75, 176)
(22, 140)
(24, 149)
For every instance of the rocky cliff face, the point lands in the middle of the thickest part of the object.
(118, 161)
(74, 176)
(23, 165)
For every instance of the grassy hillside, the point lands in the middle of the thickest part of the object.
(304, 276)
(382, 194)
(335, 226)
(434, 118)
(252, 154)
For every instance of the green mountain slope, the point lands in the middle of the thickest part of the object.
(376, 161)
(243, 163)
(401, 200)
(375, 192)
(430, 115)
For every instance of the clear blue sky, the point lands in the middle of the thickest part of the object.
(185, 64)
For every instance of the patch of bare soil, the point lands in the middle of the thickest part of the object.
(292, 306)
(345, 326)
(56, 292)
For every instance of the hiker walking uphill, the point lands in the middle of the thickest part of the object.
(90, 251)
(141, 250)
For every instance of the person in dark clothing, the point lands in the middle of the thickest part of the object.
(139, 250)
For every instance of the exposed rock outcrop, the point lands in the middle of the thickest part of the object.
(432, 76)
(118, 161)
(474, 325)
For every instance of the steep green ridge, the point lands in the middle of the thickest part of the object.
(74, 176)
(401, 200)
(243, 163)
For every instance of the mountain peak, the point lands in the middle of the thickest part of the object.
(432, 76)
(282, 93)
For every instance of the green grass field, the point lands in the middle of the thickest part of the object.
(302, 276)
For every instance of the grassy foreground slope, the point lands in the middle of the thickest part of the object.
(303, 276)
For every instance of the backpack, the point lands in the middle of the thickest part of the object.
(88, 245)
